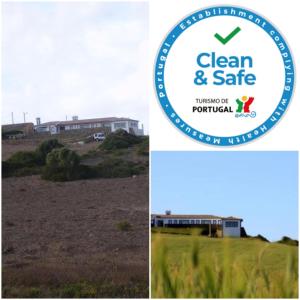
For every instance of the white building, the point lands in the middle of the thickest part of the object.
(113, 124)
(221, 226)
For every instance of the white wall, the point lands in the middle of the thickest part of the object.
(231, 231)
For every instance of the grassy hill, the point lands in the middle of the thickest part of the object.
(186, 266)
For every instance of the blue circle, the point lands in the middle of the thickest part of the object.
(160, 70)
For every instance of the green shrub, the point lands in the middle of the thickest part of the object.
(111, 168)
(23, 159)
(87, 172)
(45, 148)
(143, 147)
(124, 226)
(7, 169)
(21, 163)
(262, 238)
(33, 292)
(288, 241)
(25, 163)
(120, 139)
(61, 165)
(180, 230)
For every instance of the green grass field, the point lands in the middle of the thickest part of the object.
(189, 266)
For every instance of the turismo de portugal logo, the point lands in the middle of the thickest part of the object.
(224, 75)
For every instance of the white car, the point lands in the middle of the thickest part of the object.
(99, 136)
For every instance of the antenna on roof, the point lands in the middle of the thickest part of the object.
(12, 118)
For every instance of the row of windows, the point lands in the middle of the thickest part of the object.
(119, 125)
(231, 224)
(192, 222)
(82, 126)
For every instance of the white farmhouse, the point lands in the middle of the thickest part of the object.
(113, 124)
(215, 225)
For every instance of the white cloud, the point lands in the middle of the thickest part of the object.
(86, 59)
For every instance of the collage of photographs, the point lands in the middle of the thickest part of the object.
(150, 149)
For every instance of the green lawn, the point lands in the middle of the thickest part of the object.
(187, 266)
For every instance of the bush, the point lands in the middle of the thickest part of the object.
(23, 159)
(143, 147)
(62, 165)
(21, 163)
(288, 241)
(120, 139)
(25, 163)
(243, 232)
(124, 226)
(111, 168)
(45, 148)
(262, 238)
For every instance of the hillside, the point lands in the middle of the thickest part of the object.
(186, 266)
(69, 236)
(57, 235)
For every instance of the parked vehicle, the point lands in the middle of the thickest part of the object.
(99, 136)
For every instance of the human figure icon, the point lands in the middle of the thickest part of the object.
(244, 104)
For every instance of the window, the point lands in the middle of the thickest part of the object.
(197, 221)
(192, 222)
(214, 221)
(175, 221)
(205, 221)
(231, 224)
(169, 221)
(120, 125)
(133, 124)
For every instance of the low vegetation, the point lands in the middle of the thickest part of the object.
(61, 165)
(186, 266)
(24, 163)
(124, 226)
(143, 147)
(120, 139)
(288, 241)
(57, 163)
(180, 231)
(79, 290)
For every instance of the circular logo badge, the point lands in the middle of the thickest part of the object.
(224, 75)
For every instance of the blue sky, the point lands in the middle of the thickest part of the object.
(260, 187)
(76, 58)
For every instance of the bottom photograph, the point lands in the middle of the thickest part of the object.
(224, 224)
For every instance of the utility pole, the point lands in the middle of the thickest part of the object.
(12, 118)
(24, 115)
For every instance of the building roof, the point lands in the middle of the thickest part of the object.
(17, 126)
(205, 217)
(87, 121)
(48, 123)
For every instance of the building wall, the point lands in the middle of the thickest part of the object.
(225, 228)
(174, 221)
(229, 228)
(129, 126)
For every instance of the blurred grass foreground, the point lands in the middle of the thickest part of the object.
(190, 266)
